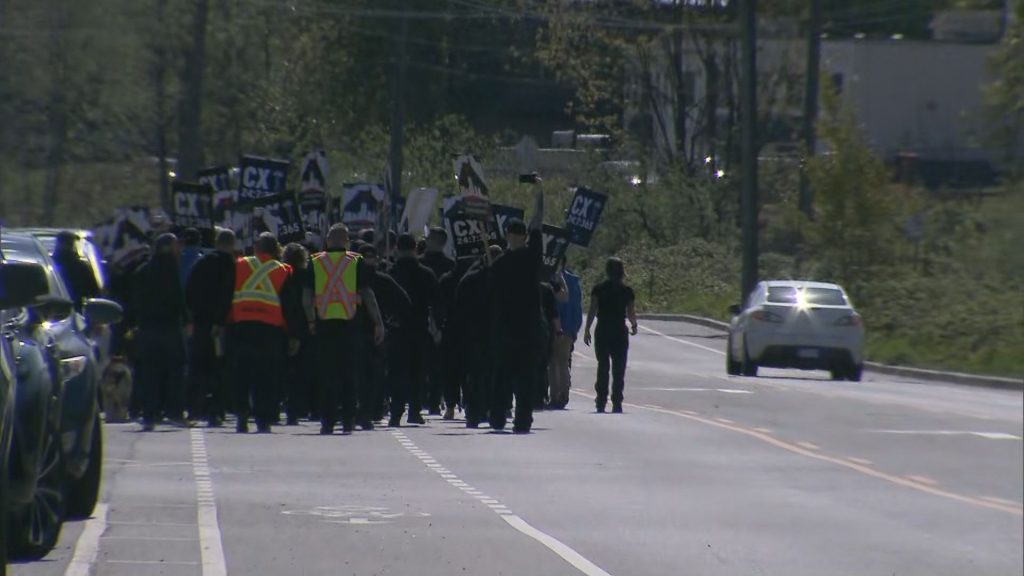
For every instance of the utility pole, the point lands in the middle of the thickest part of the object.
(748, 145)
(811, 103)
(398, 110)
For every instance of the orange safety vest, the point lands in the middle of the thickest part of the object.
(258, 283)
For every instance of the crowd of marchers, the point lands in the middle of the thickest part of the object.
(365, 328)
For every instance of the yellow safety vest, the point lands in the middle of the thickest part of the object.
(334, 276)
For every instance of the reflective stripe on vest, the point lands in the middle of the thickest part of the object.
(258, 287)
(336, 297)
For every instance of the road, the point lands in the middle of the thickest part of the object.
(788, 474)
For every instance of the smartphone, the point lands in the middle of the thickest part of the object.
(531, 178)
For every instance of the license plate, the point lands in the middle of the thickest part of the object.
(807, 353)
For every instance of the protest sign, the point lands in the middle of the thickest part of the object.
(314, 172)
(502, 214)
(193, 208)
(362, 205)
(584, 215)
(279, 215)
(417, 209)
(313, 208)
(259, 178)
(556, 243)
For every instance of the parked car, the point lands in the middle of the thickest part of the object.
(797, 324)
(86, 248)
(32, 505)
(80, 427)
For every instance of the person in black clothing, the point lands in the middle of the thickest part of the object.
(299, 387)
(551, 327)
(469, 326)
(517, 323)
(611, 302)
(450, 372)
(388, 374)
(208, 293)
(77, 275)
(160, 308)
(440, 264)
(421, 285)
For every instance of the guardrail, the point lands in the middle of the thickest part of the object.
(904, 371)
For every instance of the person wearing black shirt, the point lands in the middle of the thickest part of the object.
(611, 302)
(388, 366)
(208, 293)
(469, 325)
(517, 325)
(450, 373)
(440, 264)
(421, 285)
(77, 275)
(159, 302)
(299, 385)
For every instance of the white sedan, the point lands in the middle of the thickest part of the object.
(797, 324)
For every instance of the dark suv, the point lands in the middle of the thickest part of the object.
(54, 324)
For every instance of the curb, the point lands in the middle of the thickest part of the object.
(978, 380)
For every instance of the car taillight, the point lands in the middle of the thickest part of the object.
(851, 320)
(766, 316)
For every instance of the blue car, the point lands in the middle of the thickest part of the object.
(53, 323)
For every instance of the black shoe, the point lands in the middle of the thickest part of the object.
(326, 429)
(518, 430)
(395, 422)
(434, 411)
(472, 423)
(148, 426)
(416, 419)
(215, 422)
(292, 422)
(348, 427)
(499, 426)
(366, 425)
(600, 409)
(263, 428)
(617, 409)
(242, 427)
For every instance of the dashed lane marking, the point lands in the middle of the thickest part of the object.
(88, 545)
(924, 480)
(574, 558)
(764, 430)
(674, 339)
(211, 548)
(863, 461)
(1016, 509)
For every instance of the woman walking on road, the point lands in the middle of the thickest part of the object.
(611, 302)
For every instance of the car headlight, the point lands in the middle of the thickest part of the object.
(72, 367)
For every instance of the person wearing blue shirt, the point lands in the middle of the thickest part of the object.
(570, 312)
(190, 253)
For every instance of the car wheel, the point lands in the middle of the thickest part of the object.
(35, 528)
(749, 367)
(732, 367)
(855, 373)
(85, 492)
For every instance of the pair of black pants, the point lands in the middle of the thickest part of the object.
(161, 371)
(205, 376)
(258, 352)
(336, 343)
(514, 375)
(476, 390)
(412, 379)
(364, 351)
(300, 383)
(612, 351)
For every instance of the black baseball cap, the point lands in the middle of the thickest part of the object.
(406, 243)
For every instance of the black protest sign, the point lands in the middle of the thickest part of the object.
(259, 178)
(193, 208)
(362, 205)
(313, 207)
(313, 176)
(467, 235)
(584, 215)
(279, 215)
(218, 178)
(556, 243)
(502, 214)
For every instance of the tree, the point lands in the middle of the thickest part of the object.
(1006, 94)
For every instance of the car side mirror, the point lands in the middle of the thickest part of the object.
(735, 310)
(21, 284)
(52, 308)
(102, 312)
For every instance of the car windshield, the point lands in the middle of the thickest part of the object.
(806, 295)
(27, 250)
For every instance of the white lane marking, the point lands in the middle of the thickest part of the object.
(688, 343)
(722, 390)
(571, 556)
(986, 435)
(151, 562)
(88, 545)
(210, 546)
(149, 538)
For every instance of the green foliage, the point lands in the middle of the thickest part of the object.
(1006, 94)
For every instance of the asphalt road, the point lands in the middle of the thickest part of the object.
(788, 474)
